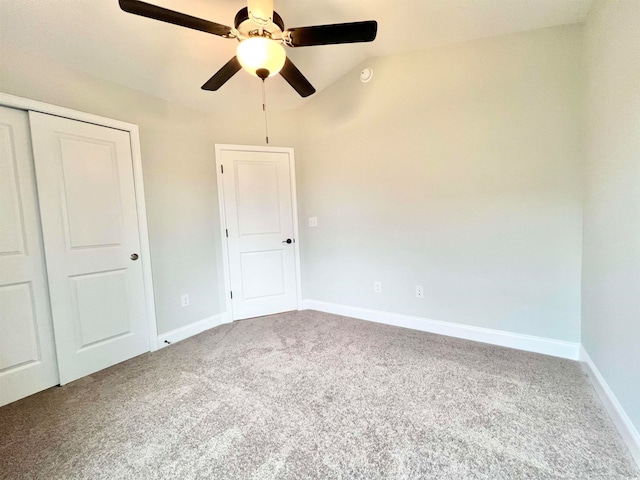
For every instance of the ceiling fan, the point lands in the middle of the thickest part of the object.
(261, 33)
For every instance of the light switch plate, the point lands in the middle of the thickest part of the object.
(313, 221)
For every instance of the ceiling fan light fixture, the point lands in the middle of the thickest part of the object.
(261, 53)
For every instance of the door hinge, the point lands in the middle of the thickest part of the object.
(226, 232)
(221, 169)
(231, 295)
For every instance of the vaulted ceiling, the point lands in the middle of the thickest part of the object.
(96, 37)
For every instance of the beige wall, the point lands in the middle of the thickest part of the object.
(458, 169)
(178, 168)
(611, 262)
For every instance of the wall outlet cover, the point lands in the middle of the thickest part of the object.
(184, 300)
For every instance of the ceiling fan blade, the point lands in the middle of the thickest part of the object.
(295, 78)
(353, 32)
(225, 73)
(260, 11)
(176, 18)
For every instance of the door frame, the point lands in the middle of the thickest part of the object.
(26, 104)
(219, 148)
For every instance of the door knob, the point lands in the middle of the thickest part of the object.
(134, 256)
(288, 240)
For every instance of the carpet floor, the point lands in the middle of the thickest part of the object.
(308, 395)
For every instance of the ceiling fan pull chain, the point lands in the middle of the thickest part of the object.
(264, 109)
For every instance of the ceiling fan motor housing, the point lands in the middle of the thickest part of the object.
(247, 27)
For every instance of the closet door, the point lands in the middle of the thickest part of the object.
(27, 354)
(86, 192)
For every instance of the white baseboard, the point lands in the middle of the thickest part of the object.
(620, 418)
(547, 346)
(192, 329)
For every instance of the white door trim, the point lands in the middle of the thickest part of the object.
(33, 105)
(223, 221)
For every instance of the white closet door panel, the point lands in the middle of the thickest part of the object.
(27, 353)
(12, 235)
(91, 193)
(90, 225)
(101, 302)
(19, 342)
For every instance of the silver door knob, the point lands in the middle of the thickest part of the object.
(134, 256)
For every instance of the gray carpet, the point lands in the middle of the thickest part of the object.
(310, 395)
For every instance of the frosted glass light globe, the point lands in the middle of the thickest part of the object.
(259, 52)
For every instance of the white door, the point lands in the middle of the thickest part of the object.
(260, 221)
(90, 226)
(27, 352)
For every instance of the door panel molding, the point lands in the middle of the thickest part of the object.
(219, 149)
(134, 135)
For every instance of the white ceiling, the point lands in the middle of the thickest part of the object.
(171, 62)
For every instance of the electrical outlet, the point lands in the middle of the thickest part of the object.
(419, 291)
(184, 300)
(313, 221)
(377, 287)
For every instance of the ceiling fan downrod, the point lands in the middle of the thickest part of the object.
(263, 74)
